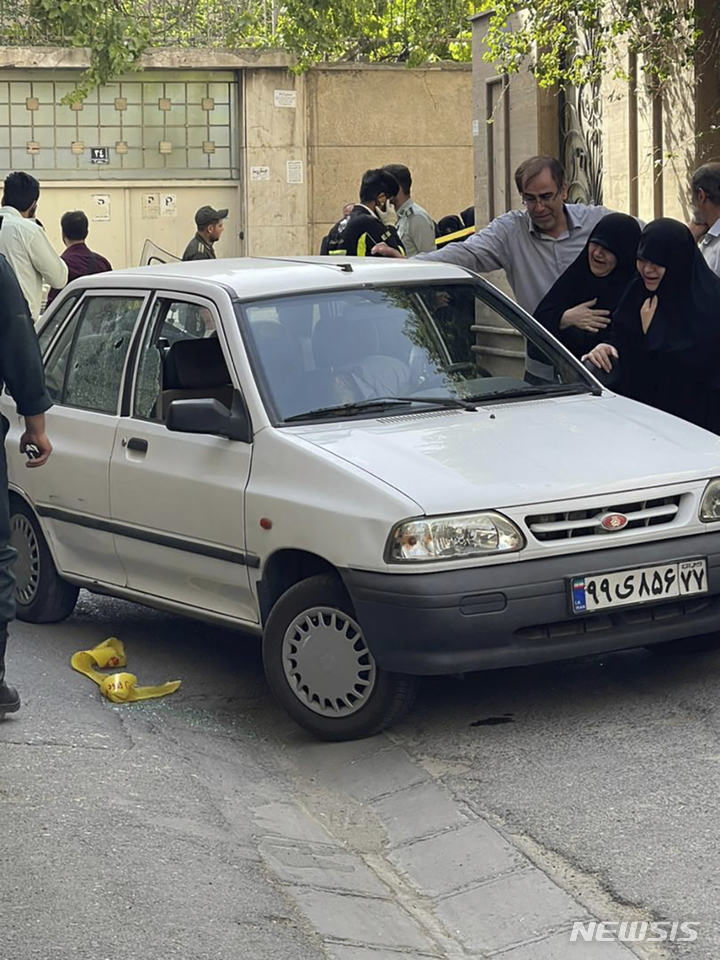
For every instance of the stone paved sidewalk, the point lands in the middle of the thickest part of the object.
(441, 883)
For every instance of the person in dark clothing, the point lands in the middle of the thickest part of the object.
(577, 307)
(335, 230)
(468, 216)
(665, 332)
(210, 224)
(356, 235)
(80, 260)
(21, 372)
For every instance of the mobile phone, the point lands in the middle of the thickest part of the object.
(32, 452)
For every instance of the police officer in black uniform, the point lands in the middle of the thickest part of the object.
(356, 235)
(21, 372)
(210, 225)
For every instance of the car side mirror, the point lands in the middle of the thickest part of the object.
(210, 417)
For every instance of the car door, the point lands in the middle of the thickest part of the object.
(178, 499)
(84, 370)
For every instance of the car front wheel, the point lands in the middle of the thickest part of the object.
(320, 668)
(41, 595)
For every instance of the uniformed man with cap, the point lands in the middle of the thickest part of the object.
(210, 224)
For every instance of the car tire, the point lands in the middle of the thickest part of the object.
(41, 595)
(705, 643)
(319, 668)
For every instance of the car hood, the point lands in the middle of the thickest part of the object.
(522, 452)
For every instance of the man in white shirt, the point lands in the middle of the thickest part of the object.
(705, 224)
(24, 243)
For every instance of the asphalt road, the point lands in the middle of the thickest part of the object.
(128, 831)
(610, 765)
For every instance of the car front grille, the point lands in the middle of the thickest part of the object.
(571, 524)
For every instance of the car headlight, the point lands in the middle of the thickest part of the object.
(710, 506)
(452, 538)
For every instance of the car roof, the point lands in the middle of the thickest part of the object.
(250, 278)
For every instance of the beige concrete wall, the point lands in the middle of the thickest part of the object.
(361, 117)
(132, 221)
(276, 210)
(679, 145)
(489, 108)
(306, 140)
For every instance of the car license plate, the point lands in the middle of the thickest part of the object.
(642, 585)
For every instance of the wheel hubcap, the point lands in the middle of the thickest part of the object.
(327, 663)
(27, 565)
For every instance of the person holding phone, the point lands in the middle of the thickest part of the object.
(21, 372)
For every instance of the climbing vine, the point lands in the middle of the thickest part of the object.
(119, 32)
(544, 36)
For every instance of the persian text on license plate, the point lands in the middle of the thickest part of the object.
(643, 585)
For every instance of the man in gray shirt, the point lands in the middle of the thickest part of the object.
(414, 224)
(533, 246)
(705, 224)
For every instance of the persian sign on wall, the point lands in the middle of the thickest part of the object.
(294, 171)
(150, 206)
(100, 206)
(168, 205)
(99, 155)
(286, 98)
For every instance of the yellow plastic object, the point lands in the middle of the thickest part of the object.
(118, 687)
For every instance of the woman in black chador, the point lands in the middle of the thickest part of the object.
(665, 333)
(578, 306)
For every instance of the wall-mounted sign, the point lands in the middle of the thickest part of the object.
(100, 206)
(99, 155)
(168, 204)
(294, 171)
(150, 206)
(259, 173)
(286, 98)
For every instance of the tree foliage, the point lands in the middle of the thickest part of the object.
(119, 32)
(566, 42)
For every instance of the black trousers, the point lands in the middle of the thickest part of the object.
(7, 553)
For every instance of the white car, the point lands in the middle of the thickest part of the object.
(348, 458)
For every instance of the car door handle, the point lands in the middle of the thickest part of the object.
(136, 443)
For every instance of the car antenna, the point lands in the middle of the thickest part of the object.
(346, 267)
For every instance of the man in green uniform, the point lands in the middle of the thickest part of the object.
(210, 224)
(415, 226)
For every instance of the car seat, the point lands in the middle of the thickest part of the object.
(195, 370)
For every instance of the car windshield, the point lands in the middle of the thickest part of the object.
(387, 350)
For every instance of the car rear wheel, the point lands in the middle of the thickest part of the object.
(41, 595)
(320, 668)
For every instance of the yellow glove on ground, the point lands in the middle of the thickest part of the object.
(118, 687)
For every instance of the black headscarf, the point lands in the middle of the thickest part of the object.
(617, 233)
(675, 366)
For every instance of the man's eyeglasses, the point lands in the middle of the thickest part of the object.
(544, 198)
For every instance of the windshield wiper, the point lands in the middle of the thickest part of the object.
(532, 390)
(379, 403)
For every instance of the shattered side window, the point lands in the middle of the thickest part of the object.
(90, 362)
